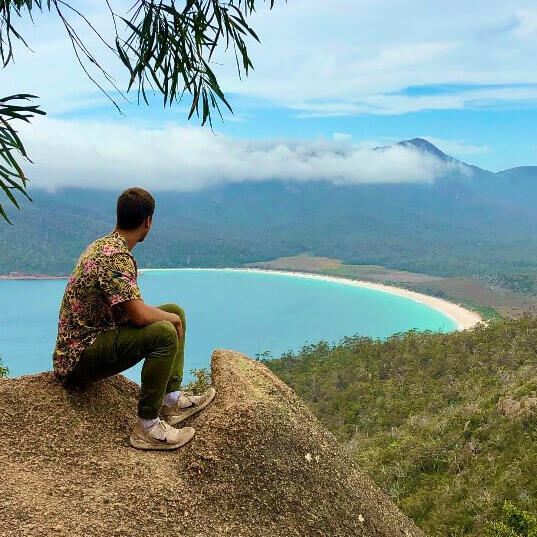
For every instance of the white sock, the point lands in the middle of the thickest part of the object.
(147, 424)
(171, 398)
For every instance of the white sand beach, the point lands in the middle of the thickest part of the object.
(463, 317)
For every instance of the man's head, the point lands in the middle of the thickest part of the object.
(135, 208)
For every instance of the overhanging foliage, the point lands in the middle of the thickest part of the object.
(166, 47)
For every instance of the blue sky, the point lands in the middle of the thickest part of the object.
(359, 74)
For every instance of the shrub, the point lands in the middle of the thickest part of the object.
(3, 370)
(515, 523)
(202, 380)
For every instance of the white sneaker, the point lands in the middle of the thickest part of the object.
(160, 436)
(186, 406)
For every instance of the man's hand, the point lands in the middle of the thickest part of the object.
(178, 325)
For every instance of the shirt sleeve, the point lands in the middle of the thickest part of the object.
(117, 278)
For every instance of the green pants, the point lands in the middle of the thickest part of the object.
(124, 346)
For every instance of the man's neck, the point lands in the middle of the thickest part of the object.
(130, 236)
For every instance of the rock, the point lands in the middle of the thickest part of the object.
(513, 409)
(244, 474)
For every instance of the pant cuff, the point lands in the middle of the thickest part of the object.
(173, 386)
(147, 413)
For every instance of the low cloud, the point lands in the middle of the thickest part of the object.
(116, 155)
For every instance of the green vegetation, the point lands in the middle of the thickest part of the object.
(444, 423)
(522, 283)
(202, 380)
(12, 177)
(3, 370)
(486, 312)
(515, 523)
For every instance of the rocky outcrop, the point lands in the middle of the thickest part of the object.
(260, 464)
(513, 408)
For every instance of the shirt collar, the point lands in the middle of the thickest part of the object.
(119, 237)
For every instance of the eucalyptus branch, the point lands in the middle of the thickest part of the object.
(12, 176)
(164, 48)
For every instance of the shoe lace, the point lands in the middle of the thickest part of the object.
(163, 426)
(185, 396)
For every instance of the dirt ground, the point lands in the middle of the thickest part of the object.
(335, 267)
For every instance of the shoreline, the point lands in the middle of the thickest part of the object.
(461, 316)
(18, 276)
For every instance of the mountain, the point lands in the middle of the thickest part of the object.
(520, 175)
(446, 424)
(470, 222)
(426, 147)
(419, 144)
(259, 464)
(521, 183)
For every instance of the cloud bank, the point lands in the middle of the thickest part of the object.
(112, 155)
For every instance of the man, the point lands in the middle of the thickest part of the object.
(105, 327)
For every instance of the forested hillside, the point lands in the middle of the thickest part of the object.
(446, 424)
(471, 222)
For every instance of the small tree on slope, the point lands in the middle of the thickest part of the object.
(3, 370)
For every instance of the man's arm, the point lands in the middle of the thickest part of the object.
(142, 314)
(117, 280)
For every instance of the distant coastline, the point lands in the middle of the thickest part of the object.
(463, 317)
(24, 276)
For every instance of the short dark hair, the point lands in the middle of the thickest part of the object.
(134, 205)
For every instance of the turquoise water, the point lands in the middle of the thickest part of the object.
(245, 311)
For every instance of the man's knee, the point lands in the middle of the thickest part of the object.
(178, 310)
(164, 333)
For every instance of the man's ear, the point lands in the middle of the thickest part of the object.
(148, 221)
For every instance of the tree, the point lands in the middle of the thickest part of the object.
(164, 48)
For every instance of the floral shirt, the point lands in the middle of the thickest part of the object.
(104, 276)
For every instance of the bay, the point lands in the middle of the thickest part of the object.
(250, 312)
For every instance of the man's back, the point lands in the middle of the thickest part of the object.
(105, 275)
(95, 341)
